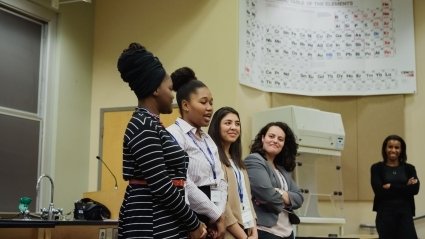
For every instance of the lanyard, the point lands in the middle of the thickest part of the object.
(209, 159)
(238, 175)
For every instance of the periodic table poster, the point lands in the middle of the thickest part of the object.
(327, 47)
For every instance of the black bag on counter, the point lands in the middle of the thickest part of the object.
(89, 209)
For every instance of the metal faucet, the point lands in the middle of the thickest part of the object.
(50, 211)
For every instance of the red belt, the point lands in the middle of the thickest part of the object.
(176, 182)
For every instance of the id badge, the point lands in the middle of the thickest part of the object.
(247, 219)
(215, 195)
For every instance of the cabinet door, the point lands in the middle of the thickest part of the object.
(113, 124)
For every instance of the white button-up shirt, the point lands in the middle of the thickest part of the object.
(204, 161)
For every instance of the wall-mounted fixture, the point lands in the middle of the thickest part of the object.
(72, 1)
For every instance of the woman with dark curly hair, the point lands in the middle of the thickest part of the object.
(274, 192)
(394, 183)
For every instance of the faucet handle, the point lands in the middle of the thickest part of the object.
(58, 213)
(51, 213)
(26, 214)
(44, 213)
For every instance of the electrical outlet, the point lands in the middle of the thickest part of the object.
(102, 233)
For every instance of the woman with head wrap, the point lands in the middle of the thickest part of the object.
(153, 163)
(206, 188)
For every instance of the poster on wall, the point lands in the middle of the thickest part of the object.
(327, 47)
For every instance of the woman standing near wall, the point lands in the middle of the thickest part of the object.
(153, 163)
(394, 183)
(274, 191)
(206, 189)
(225, 130)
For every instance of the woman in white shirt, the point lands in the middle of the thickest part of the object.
(206, 190)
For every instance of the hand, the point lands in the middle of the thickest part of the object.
(217, 229)
(412, 180)
(386, 186)
(254, 233)
(285, 196)
(221, 228)
(237, 231)
(199, 233)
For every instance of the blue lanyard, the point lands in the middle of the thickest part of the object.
(239, 181)
(209, 159)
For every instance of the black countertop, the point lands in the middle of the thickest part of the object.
(37, 223)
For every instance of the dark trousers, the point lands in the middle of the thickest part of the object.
(395, 223)
(266, 235)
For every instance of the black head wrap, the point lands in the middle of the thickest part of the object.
(141, 70)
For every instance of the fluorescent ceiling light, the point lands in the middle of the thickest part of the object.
(73, 1)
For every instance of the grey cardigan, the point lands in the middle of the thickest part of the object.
(268, 203)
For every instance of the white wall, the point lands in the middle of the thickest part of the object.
(415, 108)
(75, 44)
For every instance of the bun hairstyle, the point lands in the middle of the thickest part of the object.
(134, 47)
(141, 70)
(185, 83)
(182, 76)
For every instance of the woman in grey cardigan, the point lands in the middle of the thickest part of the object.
(274, 192)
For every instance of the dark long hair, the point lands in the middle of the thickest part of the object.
(214, 131)
(403, 154)
(286, 158)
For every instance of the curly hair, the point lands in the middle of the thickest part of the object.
(286, 158)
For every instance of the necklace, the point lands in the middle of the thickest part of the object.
(393, 168)
(147, 111)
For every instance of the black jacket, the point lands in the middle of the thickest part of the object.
(381, 194)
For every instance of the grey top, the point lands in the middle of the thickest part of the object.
(268, 203)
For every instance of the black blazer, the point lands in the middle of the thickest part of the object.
(381, 194)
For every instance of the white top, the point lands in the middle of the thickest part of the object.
(283, 227)
(203, 163)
